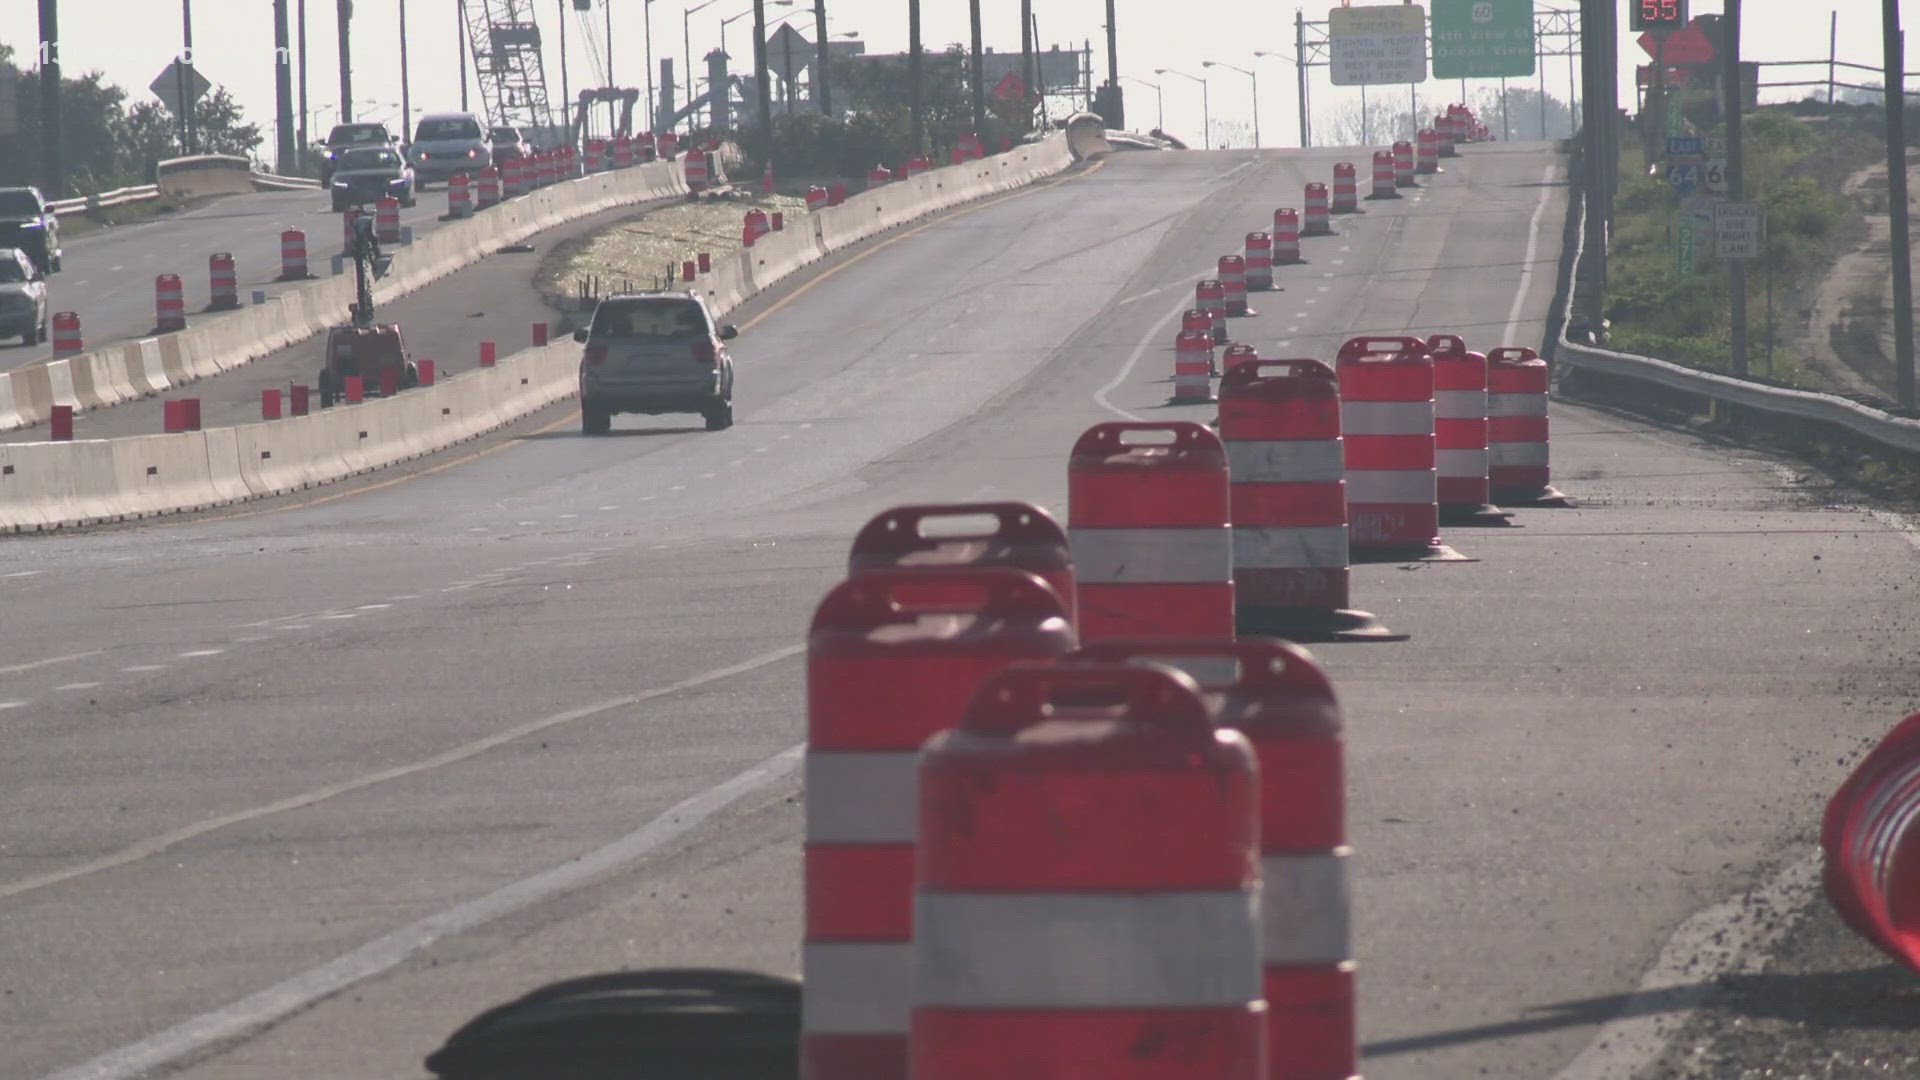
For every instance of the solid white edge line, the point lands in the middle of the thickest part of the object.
(1133, 358)
(1533, 251)
(389, 951)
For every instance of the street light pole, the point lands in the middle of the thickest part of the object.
(343, 15)
(820, 71)
(406, 84)
(1256, 94)
(646, 18)
(1159, 101)
(917, 122)
(188, 141)
(979, 77)
(1206, 106)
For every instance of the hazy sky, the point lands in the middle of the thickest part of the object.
(132, 40)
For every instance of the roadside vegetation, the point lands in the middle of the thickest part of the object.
(1796, 170)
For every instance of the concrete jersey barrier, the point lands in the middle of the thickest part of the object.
(54, 485)
(127, 371)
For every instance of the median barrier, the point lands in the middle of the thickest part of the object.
(211, 346)
(56, 485)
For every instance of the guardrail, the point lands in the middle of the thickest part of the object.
(1896, 432)
(86, 204)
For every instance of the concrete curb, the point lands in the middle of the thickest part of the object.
(51, 485)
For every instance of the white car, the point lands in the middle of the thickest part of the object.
(23, 297)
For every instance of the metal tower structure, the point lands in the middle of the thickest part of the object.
(505, 42)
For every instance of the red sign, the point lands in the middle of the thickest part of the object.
(1687, 46)
(1010, 88)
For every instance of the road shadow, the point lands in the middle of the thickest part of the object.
(678, 1023)
(1881, 997)
(616, 433)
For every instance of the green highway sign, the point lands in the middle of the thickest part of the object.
(1482, 39)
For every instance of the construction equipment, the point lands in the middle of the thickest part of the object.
(505, 42)
(626, 97)
(362, 348)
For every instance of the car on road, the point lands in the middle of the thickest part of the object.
(367, 174)
(23, 298)
(655, 353)
(28, 224)
(449, 143)
(508, 145)
(346, 137)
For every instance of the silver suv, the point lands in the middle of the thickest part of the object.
(654, 353)
(448, 143)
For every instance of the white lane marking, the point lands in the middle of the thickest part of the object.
(22, 573)
(404, 596)
(338, 615)
(250, 639)
(678, 487)
(295, 626)
(77, 686)
(156, 844)
(373, 607)
(1533, 248)
(139, 668)
(5, 705)
(606, 508)
(387, 952)
(119, 268)
(1153, 334)
(48, 662)
(1283, 344)
(1731, 937)
(198, 653)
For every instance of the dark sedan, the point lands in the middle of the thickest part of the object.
(368, 174)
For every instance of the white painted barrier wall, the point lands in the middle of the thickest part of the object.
(137, 369)
(52, 485)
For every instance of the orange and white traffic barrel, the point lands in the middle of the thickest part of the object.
(169, 304)
(893, 657)
(697, 174)
(513, 183)
(1138, 955)
(926, 537)
(1870, 838)
(386, 220)
(293, 255)
(1403, 164)
(1460, 433)
(1518, 466)
(489, 190)
(66, 333)
(459, 196)
(1210, 296)
(1386, 418)
(1233, 277)
(1383, 182)
(1147, 512)
(223, 282)
(1278, 696)
(1346, 188)
(1193, 367)
(1286, 236)
(1427, 150)
(1280, 422)
(1237, 355)
(878, 176)
(1259, 261)
(667, 144)
(623, 152)
(1318, 209)
(596, 155)
(816, 199)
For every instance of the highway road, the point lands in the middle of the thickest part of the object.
(299, 792)
(108, 275)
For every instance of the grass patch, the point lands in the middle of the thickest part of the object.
(1794, 171)
(646, 251)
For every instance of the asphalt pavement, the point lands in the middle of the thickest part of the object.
(107, 276)
(300, 792)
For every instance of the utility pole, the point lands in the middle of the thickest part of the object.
(1833, 51)
(53, 177)
(1300, 70)
(1026, 54)
(915, 61)
(613, 121)
(1113, 63)
(646, 19)
(188, 141)
(566, 89)
(1736, 183)
(305, 141)
(820, 62)
(979, 76)
(343, 12)
(1894, 46)
(761, 76)
(461, 46)
(406, 84)
(284, 160)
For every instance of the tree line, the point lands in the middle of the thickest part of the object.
(107, 143)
